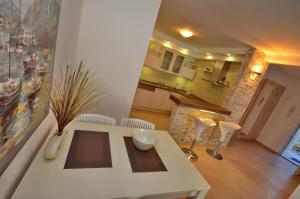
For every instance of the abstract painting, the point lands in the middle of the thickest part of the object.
(28, 30)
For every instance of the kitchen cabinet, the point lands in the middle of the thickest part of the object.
(167, 60)
(187, 73)
(153, 59)
(161, 100)
(167, 104)
(157, 99)
(170, 61)
(142, 97)
(177, 64)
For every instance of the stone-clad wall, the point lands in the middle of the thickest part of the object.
(243, 93)
(182, 119)
(182, 126)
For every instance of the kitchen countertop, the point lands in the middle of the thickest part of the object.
(187, 100)
(198, 104)
(152, 85)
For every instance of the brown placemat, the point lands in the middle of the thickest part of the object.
(143, 161)
(89, 149)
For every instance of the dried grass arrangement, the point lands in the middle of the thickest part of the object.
(73, 92)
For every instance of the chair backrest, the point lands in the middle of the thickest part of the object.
(137, 123)
(96, 118)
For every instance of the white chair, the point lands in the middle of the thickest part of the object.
(96, 118)
(137, 123)
(201, 123)
(225, 128)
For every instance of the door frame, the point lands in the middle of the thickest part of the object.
(266, 111)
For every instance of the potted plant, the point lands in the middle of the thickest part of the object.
(73, 92)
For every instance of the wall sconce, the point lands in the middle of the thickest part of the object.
(257, 69)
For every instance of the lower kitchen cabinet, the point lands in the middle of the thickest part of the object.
(142, 97)
(166, 103)
(156, 100)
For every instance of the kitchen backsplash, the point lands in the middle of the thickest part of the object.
(199, 86)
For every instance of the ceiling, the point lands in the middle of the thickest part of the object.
(272, 26)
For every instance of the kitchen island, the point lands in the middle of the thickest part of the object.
(198, 104)
(182, 120)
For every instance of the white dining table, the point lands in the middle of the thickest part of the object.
(47, 179)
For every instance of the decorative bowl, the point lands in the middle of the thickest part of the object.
(143, 139)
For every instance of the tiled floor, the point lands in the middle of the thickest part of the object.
(248, 171)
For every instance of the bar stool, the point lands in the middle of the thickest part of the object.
(201, 123)
(225, 128)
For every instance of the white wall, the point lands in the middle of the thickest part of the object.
(68, 32)
(65, 53)
(114, 37)
(113, 40)
(279, 128)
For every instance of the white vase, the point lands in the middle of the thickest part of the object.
(53, 145)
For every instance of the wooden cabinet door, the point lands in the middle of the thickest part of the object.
(153, 59)
(187, 72)
(167, 104)
(142, 97)
(157, 99)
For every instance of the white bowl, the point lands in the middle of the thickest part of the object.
(143, 139)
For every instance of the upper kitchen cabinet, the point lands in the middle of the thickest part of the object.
(169, 61)
(187, 72)
(177, 64)
(172, 61)
(154, 56)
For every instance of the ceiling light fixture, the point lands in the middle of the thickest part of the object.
(230, 58)
(186, 33)
(167, 44)
(184, 51)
